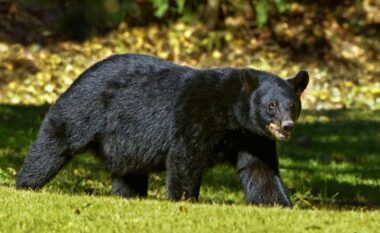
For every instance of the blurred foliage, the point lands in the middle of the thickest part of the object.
(80, 19)
(336, 41)
(262, 10)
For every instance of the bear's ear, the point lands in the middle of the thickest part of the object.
(299, 82)
(248, 80)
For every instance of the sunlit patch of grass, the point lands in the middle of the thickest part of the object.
(23, 211)
(337, 158)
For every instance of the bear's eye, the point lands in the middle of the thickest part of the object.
(272, 105)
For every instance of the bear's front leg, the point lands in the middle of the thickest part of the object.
(261, 181)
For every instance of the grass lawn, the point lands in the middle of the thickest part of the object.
(51, 212)
(331, 168)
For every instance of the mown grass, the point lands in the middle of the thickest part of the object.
(51, 212)
(330, 165)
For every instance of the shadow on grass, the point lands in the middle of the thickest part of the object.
(332, 160)
(18, 127)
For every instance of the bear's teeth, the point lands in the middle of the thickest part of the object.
(278, 133)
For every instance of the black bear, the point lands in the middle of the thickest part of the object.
(140, 114)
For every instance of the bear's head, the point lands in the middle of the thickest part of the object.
(272, 104)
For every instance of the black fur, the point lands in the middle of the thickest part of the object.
(141, 114)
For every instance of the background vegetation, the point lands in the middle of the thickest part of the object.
(332, 162)
(336, 41)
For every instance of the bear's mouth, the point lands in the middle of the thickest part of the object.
(279, 133)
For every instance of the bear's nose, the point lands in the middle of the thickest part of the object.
(287, 125)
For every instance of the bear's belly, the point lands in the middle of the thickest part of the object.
(152, 160)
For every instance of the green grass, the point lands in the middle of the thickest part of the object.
(331, 168)
(46, 212)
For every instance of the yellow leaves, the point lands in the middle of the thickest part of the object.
(348, 84)
(55, 59)
(375, 90)
(42, 77)
(351, 51)
(372, 10)
(97, 46)
(38, 74)
(323, 95)
(163, 54)
(12, 85)
(49, 88)
(3, 47)
(68, 68)
(216, 54)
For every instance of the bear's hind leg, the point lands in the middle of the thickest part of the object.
(131, 185)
